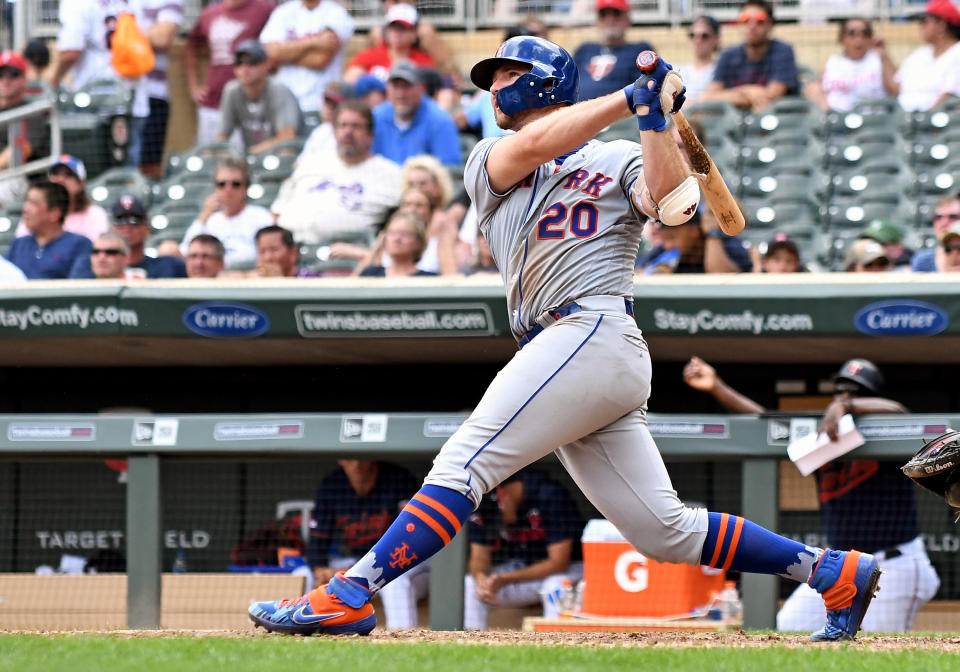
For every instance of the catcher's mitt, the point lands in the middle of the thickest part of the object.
(936, 467)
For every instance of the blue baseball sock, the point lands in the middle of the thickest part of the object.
(425, 525)
(734, 543)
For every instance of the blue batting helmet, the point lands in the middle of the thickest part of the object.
(553, 77)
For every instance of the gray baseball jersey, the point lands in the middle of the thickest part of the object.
(568, 230)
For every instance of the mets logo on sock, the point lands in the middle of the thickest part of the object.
(399, 557)
(630, 572)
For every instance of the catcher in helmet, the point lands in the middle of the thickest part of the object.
(865, 504)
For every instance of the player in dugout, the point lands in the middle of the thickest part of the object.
(563, 215)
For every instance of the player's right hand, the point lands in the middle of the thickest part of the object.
(646, 104)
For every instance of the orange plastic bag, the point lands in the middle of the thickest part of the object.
(132, 53)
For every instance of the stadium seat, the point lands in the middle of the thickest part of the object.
(177, 189)
(879, 181)
(468, 141)
(717, 118)
(310, 121)
(273, 167)
(758, 128)
(938, 181)
(201, 158)
(786, 185)
(812, 243)
(107, 187)
(316, 256)
(779, 214)
(263, 193)
(935, 150)
(173, 216)
(866, 147)
(857, 212)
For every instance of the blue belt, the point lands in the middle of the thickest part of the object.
(562, 312)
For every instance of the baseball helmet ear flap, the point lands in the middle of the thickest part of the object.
(862, 372)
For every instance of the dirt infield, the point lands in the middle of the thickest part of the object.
(945, 643)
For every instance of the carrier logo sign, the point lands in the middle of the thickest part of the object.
(225, 320)
(903, 317)
(630, 572)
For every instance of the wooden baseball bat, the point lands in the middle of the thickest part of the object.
(718, 196)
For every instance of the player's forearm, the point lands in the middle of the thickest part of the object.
(868, 405)
(733, 401)
(663, 165)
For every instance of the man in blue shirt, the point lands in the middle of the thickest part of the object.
(611, 64)
(409, 123)
(754, 74)
(48, 252)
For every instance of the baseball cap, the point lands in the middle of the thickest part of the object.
(864, 251)
(129, 206)
(402, 13)
(943, 9)
(11, 59)
(883, 231)
(406, 71)
(781, 241)
(74, 164)
(251, 48)
(619, 5)
(366, 84)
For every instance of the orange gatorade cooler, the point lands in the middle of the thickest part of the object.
(619, 581)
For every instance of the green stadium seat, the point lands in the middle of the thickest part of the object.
(107, 187)
(467, 142)
(782, 186)
(176, 189)
(199, 159)
(935, 150)
(273, 167)
(857, 212)
(717, 118)
(866, 147)
(263, 193)
(779, 214)
(886, 182)
(942, 181)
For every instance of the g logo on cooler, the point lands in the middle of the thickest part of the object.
(630, 571)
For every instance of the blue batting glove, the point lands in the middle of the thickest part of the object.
(646, 92)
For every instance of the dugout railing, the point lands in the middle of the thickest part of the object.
(148, 442)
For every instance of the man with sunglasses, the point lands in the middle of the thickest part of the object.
(32, 143)
(754, 74)
(865, 504)
(108, 258)
(130, 221)
(264, 110)
(610, 64)
(946, 215)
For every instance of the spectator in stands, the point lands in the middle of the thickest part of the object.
(10, 274)
(47, 251)
(306, 38)
(698, 246)
(108, 258)
(353, 508)
(930, 74)
(950, 244)
(220, 28)
(260, 106)
(321, 139)
(205, 256)
(864, 504)
(482, 261)
(410, 123)
(161, 21)
(33, 139)
(429, 41)
(130, 221)
(866, 256)
(371, 90)
(344, 190)
(278, 255)
(37, 55)
(781, 255)
(399, 44)
(524, 545)
(862, 71)
(404, 239)
(890, 236)
(425, 174)
(759, 71)
(946, 213)
(227, 215)
(610, 64)
(84, 43)
(705, 40)
(85, 218)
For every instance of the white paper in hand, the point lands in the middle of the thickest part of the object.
(815, 450)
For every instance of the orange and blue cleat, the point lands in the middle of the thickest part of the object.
(319, 611)
(847, 580)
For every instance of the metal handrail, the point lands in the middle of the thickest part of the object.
(35, 108)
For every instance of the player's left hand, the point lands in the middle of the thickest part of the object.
(830, 424)
(646, 104)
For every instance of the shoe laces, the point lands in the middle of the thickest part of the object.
(292, 603)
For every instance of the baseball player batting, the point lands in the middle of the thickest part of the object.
(563, 215)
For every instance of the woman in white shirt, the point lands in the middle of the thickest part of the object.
(862, 71)
(705, 41)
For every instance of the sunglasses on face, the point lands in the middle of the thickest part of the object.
(107, 251)
(130, 221)
(236, 184)
(854, 32)
(952, 216)
(752, 15)
(245, 60)
(10, 73)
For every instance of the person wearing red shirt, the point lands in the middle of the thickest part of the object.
(399, 38)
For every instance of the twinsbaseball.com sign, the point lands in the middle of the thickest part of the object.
(468, 319)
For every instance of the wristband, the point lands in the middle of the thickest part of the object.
(715, 233)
